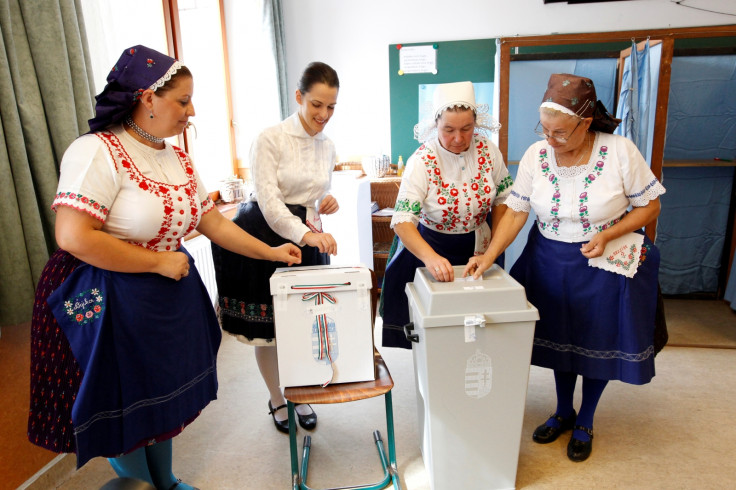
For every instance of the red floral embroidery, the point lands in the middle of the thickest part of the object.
(454, 197)
(161, 190)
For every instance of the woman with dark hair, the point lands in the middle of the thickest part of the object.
(124, 337)
(292, 165)
(587, 266)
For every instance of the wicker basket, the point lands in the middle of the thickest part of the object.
(382, 231)
(384, 192)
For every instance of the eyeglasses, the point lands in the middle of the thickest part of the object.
(559, 139)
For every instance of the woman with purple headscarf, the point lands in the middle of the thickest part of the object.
(124, 337)
(587, 265)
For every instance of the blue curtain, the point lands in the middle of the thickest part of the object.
(634, 99)
(701, 125)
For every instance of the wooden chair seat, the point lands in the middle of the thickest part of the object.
(344, 392)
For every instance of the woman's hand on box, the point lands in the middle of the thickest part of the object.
(440, 268)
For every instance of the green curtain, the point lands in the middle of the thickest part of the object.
(273, 26)
(46, 98)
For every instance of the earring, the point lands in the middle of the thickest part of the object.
(151, 116)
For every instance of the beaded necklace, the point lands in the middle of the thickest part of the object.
(140, 132)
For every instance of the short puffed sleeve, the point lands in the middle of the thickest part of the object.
(640, 183)
(89, 180)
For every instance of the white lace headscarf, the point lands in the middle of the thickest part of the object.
(458, 94)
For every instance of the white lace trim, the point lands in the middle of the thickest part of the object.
(485, 124)
(167, 76)
(518, 204)
(404, 218)
(650, 193)
(570, 172)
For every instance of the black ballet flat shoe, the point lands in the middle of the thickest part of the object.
(281, 425)
(544, 434)
(308, 421)
(578, 450)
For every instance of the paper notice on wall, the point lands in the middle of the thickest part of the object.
(418, 59)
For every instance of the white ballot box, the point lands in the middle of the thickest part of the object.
(324, 332)
(472, 349)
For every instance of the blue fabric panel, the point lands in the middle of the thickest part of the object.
(691, 229)
(648, 79)
(730, 295)
(527, 84)
(701, 122)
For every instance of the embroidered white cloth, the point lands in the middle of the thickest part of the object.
(148, 197)
(621, 255)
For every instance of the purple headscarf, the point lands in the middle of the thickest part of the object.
(139, 68)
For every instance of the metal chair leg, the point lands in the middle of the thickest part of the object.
(295, 481)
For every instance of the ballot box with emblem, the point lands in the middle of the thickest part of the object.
(472, 343)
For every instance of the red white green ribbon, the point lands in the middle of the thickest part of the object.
(323, 333)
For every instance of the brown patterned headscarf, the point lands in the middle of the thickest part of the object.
(576, 96)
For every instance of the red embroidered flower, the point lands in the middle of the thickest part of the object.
(453, 192)
(143, 186)
(441, 200)
(481, 160)
(436, 171)
(487, 189)
(474, 186)
(79, 317)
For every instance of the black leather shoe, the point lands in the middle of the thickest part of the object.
(544, 434)
(308, 421)
(578, 450)
(281, 425)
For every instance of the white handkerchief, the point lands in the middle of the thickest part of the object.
(621, 255)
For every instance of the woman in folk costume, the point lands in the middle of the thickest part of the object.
(587, 265)
(124, 337)
(292, 165)
(451, 184)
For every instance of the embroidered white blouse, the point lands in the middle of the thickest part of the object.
(452, 193)
(574, 204)
(290, 167)
(147, 197)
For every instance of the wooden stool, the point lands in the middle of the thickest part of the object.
(342, 393)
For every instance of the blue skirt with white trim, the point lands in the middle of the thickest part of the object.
(593, 322)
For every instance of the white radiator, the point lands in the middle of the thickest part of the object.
(199, 249)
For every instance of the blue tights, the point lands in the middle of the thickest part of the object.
(592, 391)
(151, 464)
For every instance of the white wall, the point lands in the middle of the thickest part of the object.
(353, 37)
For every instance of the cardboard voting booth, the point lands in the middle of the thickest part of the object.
(323, 324)
(473, 342)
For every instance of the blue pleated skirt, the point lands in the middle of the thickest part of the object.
(401, 267)
(595, 323)
(147, 346)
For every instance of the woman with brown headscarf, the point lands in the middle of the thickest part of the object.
(587, 266)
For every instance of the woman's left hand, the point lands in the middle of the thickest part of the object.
(288, 252)
(329, 205)
(595, 247)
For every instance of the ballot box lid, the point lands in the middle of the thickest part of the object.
(496, 295)
(296, 280)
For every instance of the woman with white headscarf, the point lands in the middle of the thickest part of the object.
(451, 184)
